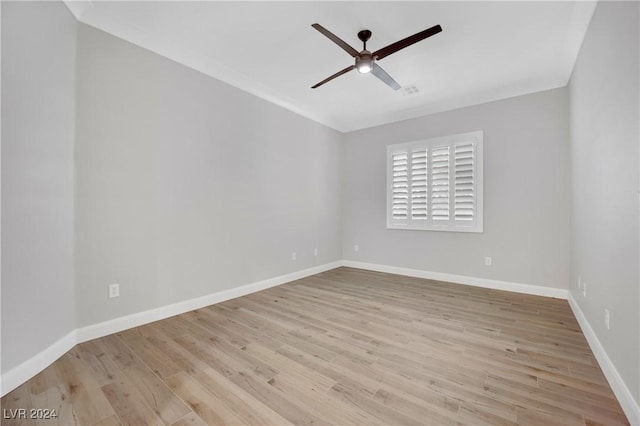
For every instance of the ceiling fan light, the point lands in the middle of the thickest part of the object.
(364, 68)
(364, 64)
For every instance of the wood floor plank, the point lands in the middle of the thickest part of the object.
(582, 395)
(290, 408)
(471, 414)
(89, 405)
(103, 369)
(129, 405)
(211, 410)
(323, 404)
(281, 363)
(150, 387)
(416, 408)
(191, 419)
(607, 413)
(44, 380)
(366, 383)
(109, 421)
(344, 347)
(448, 390)
(15, 407)
(178, 354)
(61, 406)
(247, 407)
(48, 390)
(156, 359)
(509, 394)
(384, 413)
(229, 360)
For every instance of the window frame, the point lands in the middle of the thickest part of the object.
(429, 224)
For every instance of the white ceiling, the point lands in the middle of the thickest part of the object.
(486, 51)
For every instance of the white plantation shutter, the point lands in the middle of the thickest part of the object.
(419, 182)
(436, 184)
(440, 183)
(400, 189)
(464, 181)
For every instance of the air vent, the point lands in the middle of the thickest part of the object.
(411, 89)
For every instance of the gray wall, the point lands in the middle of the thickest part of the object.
(604, 154)
(187, 186)
(38, 79)
(526, 194)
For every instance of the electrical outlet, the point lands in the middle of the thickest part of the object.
(584, 289)
(607, 317)
(315, 251)
(294, 256)
(487, 261)
(356, 248)
(114, 290)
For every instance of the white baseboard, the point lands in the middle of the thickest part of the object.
(134, 320)
(629, 405)
(23, 372)
(558, 293)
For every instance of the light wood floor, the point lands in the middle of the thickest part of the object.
(344, 347)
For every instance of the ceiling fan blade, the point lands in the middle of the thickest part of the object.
(337, 40)
(406, 42)
(338, 74)
(384, 77)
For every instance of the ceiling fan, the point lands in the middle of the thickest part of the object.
(365, 60)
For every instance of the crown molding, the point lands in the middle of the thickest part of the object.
(77, 7)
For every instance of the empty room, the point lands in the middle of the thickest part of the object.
(320, 213)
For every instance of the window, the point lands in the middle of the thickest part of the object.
(436, 184)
